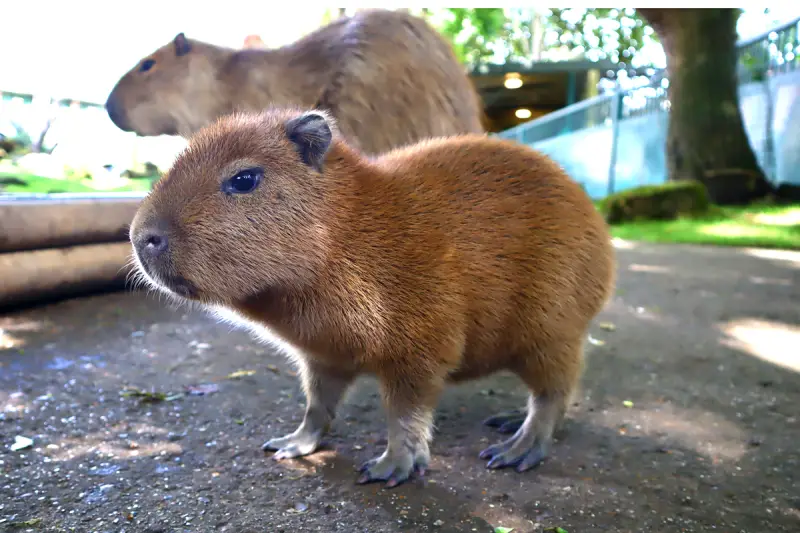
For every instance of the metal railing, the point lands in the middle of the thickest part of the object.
(626, 112)
(773, 52)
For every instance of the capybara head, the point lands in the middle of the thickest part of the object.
(243, 210)
(153, 97)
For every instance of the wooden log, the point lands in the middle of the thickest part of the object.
(34, 222)
(39, 276)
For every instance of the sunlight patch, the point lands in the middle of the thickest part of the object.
(773, 342)
(652, 269)
(788, 256)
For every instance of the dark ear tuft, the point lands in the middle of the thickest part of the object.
(182, 46)
(312, 135)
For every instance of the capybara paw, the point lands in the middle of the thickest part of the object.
(294, 445)
(506, 423)
(394, 469)
(506, 454)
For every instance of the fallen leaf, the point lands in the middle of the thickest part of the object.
(151, 396)
(239, 421)
(27, 523)
(145, 396)
(501, 529)
(20, 443)
(241, 373)
(608, 326)
(627, 403)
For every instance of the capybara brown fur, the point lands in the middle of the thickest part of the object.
(432, 264)
(387, 77)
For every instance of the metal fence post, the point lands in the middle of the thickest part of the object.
(769, 140)
(616, 115)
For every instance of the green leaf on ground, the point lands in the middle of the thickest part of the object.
(503, 530)
(241, 373)
(151, 396)
(27, 523)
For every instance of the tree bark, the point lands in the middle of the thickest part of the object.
(706, 140)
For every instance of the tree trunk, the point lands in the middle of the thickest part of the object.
(706, 140)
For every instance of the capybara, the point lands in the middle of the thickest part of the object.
(387, 77)
(435, 263)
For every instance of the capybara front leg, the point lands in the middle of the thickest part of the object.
(324, 390)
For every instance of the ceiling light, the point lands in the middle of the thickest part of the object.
(513, 81)
(523, 113)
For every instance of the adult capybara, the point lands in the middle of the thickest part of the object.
(435, 263)
(386, 76)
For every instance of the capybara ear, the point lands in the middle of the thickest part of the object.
(312, 135)
(182, 46)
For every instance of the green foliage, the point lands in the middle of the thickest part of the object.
(474, 31)
(31, 184)
(483, 34)
(602, 33)
(668, 201)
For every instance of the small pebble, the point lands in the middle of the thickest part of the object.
(172, 436)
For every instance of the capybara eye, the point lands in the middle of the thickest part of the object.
(147, 64)
(243, 182)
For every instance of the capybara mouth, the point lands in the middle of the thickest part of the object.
(174, 283)
(180, 286)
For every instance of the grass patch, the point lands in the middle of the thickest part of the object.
(757, 225)
(38, 185)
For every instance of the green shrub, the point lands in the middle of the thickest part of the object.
(668, 201)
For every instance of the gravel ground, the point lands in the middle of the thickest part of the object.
(687, 420)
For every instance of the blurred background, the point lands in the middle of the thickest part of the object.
(548, 77)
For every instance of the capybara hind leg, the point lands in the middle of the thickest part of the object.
(551, 378)
(507, 422)
(324, 391)
(409, 405)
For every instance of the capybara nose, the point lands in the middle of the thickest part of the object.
(116, 115)
(153, 244)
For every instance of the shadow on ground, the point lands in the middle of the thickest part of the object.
(687, 420)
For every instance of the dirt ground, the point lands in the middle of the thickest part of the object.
(687, 420)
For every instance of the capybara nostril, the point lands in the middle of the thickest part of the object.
(153, 244)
